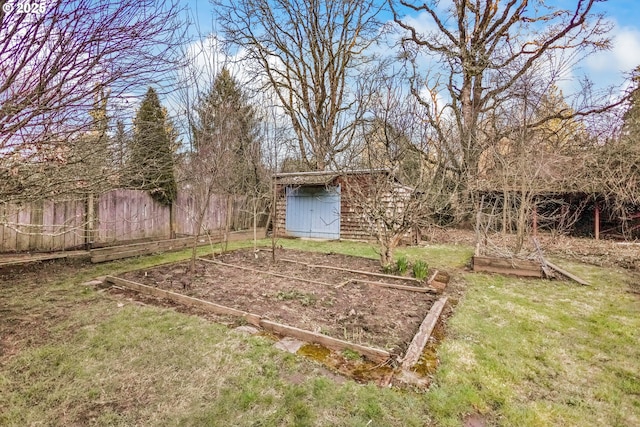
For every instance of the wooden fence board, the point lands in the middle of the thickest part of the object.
(48, 228)
(58, 220)
(2, 232)
(120, 215)
(22, 239)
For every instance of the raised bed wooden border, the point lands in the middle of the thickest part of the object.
(514, 267)
(367, 282)
(424, 333)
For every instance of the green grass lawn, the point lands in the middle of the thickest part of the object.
(517, 352)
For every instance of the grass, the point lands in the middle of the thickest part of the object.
(517, 352)
(542, 353)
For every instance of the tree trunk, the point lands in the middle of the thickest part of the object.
(199, 220)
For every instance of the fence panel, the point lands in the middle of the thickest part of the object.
(130, 215)
(42, 225)
(119, 215)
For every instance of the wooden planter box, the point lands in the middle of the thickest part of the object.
(516, 267)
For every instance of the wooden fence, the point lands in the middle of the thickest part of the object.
(117, 216)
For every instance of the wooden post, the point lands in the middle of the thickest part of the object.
(274, 218)
(89, 222)
(172, 220)
(596, 221)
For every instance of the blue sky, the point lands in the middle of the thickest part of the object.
(604, 68)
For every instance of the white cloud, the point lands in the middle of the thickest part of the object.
(611, 66)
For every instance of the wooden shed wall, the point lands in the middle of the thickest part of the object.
(353, 224)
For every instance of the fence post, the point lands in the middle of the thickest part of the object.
(596, 221)
(89, 221)
(172, 220)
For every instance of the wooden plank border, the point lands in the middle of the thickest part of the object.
(421, 289)
(22, 259)
(376, 355)
(515, 267)
(127, 251)
(371, 353)
(424, 333)
(366, 273)
(566, 273)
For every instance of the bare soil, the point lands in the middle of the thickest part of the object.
(339, 304)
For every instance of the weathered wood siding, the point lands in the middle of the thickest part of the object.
(353, 222)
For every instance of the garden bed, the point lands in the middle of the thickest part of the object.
(305, 290)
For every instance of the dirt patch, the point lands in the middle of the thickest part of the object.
(339, 304)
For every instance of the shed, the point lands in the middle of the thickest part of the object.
(322, 205)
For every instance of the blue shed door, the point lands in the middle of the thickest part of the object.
(313, 212)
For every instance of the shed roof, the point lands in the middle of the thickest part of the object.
(308, 178)
(320, 177)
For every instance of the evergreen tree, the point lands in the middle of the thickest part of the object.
(100, 121)
(152, 156)
(120, 145)
(97, 139)
(226, 128)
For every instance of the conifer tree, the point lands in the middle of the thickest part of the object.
(226, 129)
(120, 145)
(152, 157)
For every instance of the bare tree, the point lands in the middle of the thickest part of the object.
(617, 165)
(51, 62)
(406, 186)
(523, 178)
(225, 159)
(481, 50)
(307, 51)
